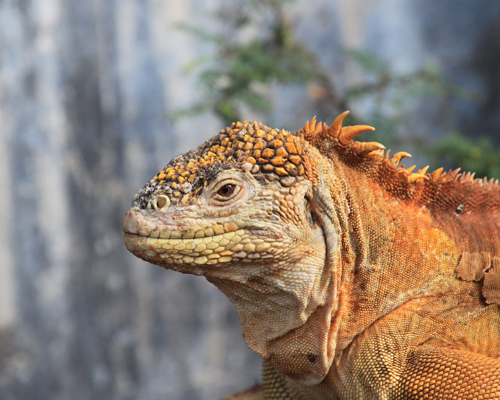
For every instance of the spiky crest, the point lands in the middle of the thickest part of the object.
(373, 161)
(396, 158)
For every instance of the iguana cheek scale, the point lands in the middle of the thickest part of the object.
(352, 276)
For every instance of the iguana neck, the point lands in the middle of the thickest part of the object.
(384, 231)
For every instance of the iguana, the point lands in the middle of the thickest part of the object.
(353, 277)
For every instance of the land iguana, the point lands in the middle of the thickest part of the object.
(353, 277)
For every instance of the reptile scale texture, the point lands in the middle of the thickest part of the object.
(353, 277)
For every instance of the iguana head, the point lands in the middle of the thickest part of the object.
(236, 207)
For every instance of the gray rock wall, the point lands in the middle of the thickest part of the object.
(85, 87)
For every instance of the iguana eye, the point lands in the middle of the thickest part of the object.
(226, 190)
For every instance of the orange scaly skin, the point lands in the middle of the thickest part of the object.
(353, 278)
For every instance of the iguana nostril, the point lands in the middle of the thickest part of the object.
(161, 202)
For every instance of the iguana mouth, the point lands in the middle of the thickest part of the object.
(221, 243)
(136, 223)
(207, 250)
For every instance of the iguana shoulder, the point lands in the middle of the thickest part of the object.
(352, 276)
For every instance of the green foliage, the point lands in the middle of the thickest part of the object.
(392, 94)
(242, 68)
(477, 155)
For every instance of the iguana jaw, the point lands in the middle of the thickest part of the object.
(157, 239)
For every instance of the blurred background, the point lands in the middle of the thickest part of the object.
(97, 96)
